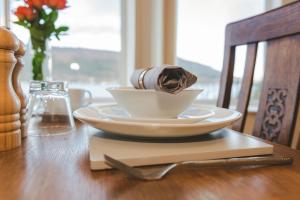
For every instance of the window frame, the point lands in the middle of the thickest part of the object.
(6, 9)
(127, 36)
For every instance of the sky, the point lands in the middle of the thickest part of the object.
(94, 24)
(201, 25)
(201, 30)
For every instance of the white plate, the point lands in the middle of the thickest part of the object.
(222, 118)
(191, 115)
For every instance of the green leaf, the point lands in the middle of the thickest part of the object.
(57, 36)
(44, 15)
(59, 31)
(62, 29)
(53, 15)
(49, 29)
(22, 23)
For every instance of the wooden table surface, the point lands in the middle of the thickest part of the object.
(57, 167)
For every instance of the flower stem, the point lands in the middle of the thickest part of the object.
(37, 65)
(38, 58)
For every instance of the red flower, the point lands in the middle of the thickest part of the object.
(25, 13)
(56, 4)
(35, 3)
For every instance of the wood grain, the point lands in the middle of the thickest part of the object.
(226, 76)
(58, 168)
(17, 86)
(10, 133)
(280, 96)
(281, 74)
(273, 24)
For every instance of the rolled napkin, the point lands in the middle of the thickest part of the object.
(166, 78)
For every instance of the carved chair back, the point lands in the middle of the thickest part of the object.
(279, 100)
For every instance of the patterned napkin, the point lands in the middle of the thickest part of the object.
(166, 78)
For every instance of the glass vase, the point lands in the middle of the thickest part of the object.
(43, 70)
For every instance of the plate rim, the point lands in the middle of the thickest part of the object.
(76, 114)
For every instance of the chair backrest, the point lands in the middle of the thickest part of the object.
(279, 100)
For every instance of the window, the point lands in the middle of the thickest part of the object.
(1, 12)
(200, 42)
(90, 54)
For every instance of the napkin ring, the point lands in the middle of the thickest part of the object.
(141, 78)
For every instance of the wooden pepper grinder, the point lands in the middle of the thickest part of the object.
(10, 132)
(17, 87)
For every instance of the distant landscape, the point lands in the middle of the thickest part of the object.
(95, 65)
(100, 66)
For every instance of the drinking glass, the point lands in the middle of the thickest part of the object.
(49, 109)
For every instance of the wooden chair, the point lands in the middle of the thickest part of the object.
(279, 100)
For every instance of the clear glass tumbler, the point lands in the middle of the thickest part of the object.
(49, 109)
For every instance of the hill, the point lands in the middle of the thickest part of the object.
(100, 65)
(203, 72)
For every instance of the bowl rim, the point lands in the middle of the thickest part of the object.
(132, 89)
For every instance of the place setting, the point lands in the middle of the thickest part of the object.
(149, 99)
(160, 121)
(172, 111)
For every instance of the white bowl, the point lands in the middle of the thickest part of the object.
(153, 104)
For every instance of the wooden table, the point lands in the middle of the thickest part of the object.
(57, 167)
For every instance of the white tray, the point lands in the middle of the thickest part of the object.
(139, 152)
